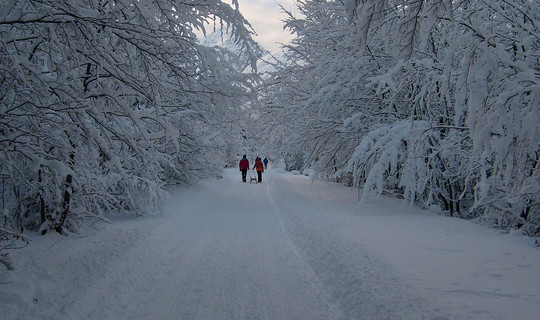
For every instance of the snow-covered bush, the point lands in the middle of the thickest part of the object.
(9, 240)
(503, 116)
(386, 160)
(411, 159)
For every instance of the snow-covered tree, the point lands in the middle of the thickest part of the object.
(474, 69)
(102, 103)
(434, 101)
(235, 122)
(307, 98)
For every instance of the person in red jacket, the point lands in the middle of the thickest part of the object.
(244, 166)
(260, 168)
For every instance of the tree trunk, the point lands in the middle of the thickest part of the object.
(41, 201)
(65, 205)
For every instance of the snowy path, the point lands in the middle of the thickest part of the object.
(231, 259)
(283, 249)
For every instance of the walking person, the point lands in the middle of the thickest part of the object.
(265, 161)
(244, 167)
(260, 168)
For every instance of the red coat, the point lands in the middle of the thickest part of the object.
(259, 165)
(244, 164)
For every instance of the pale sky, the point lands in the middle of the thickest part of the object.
(265, 16)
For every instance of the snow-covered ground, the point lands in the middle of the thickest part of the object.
(284, 249)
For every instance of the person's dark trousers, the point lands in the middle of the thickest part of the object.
(244, 173)
(259, 175)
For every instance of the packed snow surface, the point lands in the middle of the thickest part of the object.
(287, 248)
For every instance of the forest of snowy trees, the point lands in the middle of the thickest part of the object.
(105, 102)
(437, 102)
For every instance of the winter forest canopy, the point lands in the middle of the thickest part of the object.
(104, 103)
(437, 102)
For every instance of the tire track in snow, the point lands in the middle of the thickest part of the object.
(358, 283)
(317, 285)
(234, 261)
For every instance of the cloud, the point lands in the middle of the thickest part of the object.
(265, 17)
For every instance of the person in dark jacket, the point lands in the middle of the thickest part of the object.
(244, 166)
(260, 168)
(265, 161)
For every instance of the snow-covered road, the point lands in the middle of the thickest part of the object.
(230, 258)
(284, 249)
